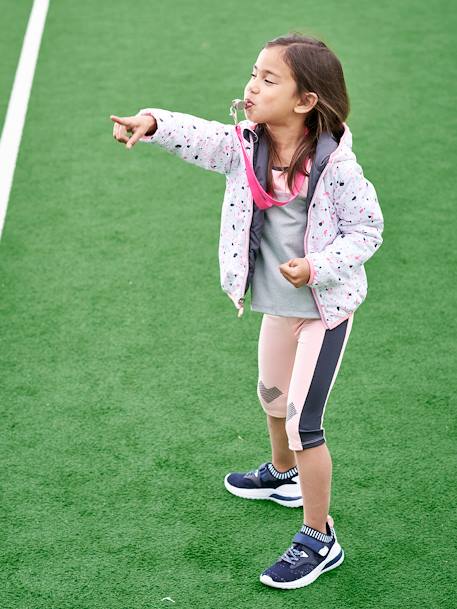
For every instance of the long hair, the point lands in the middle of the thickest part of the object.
(316, 69)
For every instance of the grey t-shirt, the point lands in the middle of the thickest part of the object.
(282, 239)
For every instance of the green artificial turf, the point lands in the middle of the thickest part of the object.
(128, 384)
(13, 23)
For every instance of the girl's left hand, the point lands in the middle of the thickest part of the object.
(297, 271)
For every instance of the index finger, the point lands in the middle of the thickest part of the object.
(120, 120)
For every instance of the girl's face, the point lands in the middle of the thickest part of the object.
(273, 91)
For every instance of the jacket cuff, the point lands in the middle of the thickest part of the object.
(160, 116)
(147, 138)
(312, 271)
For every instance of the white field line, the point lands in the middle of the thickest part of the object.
(17, 106)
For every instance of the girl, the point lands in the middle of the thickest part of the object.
(299, 220)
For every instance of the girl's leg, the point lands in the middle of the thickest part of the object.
(276, 352)
(316, 461)
(281, 456)
(318, 359)
(315, 471)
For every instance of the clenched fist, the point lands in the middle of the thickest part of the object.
(297, 271)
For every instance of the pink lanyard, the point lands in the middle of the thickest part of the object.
(261, 198)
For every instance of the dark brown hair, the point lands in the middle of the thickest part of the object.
(316, 69)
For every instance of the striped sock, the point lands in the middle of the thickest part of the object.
(306, 530)
(293, 471)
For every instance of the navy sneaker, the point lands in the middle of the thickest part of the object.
(310, 554)
(267, 483)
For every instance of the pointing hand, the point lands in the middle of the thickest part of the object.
(138, 126)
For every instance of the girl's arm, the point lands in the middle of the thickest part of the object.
(209, 144)
(360, 221)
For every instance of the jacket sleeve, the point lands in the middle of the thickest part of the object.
(208, 144)
(360, 226)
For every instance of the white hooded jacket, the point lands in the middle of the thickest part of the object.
(345, 221)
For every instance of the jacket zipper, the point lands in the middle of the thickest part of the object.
(243, 298)
(321, 309)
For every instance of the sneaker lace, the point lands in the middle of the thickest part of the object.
(293, 554)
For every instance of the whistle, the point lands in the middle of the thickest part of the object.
(237, 104)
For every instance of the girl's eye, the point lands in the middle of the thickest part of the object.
(268, 81)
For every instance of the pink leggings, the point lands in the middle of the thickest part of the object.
(298, 362)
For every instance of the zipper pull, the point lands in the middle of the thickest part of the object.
(241, 309)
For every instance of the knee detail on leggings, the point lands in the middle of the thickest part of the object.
(272, 400)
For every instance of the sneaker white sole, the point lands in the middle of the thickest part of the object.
(285, 494)
(334, 559)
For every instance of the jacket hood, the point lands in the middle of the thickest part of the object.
(325, 145)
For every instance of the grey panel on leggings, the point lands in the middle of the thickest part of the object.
(310, 430)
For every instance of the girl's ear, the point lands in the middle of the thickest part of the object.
(307, 103)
